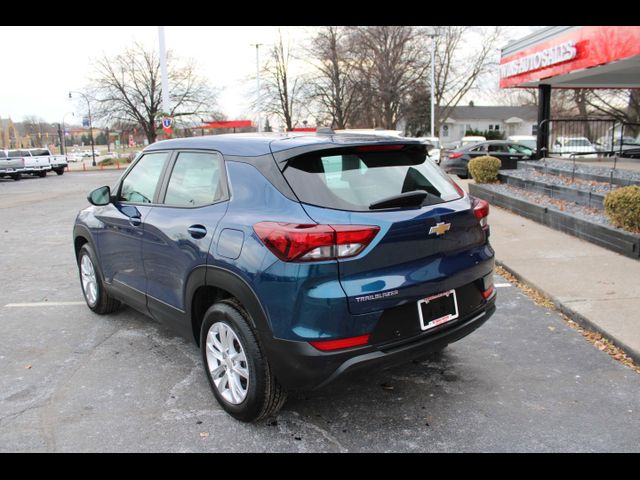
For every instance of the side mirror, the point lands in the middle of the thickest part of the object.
(100, 196)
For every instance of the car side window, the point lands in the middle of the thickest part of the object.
(196, 180)
(520, 149)
(139, 186)
(497, 148)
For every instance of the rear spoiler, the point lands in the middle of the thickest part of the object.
(282, 157)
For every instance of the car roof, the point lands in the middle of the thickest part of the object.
(257, 144)
(488, 142)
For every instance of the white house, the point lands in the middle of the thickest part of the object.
(510, 120)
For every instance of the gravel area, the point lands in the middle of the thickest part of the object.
(590, 214)
(561, 180)
(581, 168)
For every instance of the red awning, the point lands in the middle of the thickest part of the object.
(303, 129)
(225, 124)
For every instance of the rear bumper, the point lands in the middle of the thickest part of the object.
(299, 366)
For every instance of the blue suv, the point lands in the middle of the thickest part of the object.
(290, 259)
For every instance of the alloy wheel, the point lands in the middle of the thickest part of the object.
(89, 280)
(227, 363)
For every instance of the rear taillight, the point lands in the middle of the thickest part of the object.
(488, 292)
(454, 155)
(330, 345)
(481, 211)
(293, 242)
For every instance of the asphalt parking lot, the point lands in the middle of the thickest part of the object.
(71, 380)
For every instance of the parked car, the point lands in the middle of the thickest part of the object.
(530, 141)
(433, 147)
(11, 167)
(471, 140)
(457, 161)
(579, 147)
(33, 165)
(619, 146)
(74, 156)
(290, 259)
(372, 131)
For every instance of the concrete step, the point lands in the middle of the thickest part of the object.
(543, 211)
(545, 185)
(621, 178)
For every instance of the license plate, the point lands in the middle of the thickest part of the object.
(437, 309)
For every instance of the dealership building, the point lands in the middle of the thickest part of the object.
(571, 57)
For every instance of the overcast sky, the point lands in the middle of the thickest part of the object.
(46, 62)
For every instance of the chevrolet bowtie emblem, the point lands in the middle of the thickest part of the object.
(440, 228)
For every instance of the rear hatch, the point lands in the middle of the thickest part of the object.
(429, 240)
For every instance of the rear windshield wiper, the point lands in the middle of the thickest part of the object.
(406, 199)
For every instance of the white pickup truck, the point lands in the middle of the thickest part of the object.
(38, 161)
(10, 167)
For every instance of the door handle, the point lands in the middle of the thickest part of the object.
(197, 231)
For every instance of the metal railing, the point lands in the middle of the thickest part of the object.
(577, 138)
(591, 137)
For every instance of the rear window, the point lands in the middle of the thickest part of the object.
(3, 154)
(349, 179)
(578, 143)
(39, 152)
(19, 153)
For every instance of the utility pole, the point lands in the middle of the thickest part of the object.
(258, 102)
(61, 136)
(433, 83)
(163, 73)
(64, 132)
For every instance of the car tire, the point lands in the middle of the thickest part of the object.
(59, 171)
(17, 176)
(96, 296)
(42, 173)
(226, 338)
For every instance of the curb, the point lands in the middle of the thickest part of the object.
(587, 198)
(573, 315)
(623, 182)
(621, 242)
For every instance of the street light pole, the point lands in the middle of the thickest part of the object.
(433, 81)
(93, 151)
(258, 103)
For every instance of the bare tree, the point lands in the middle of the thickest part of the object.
(281, 91)
(456, 72)
(128, 88)
(391, 61)
(334, 85)
(40, 133)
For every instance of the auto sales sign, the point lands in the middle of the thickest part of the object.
(549, 56)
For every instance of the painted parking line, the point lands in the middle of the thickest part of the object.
(502, 285)
(42, 304)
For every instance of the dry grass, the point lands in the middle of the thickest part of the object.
(594, 338)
